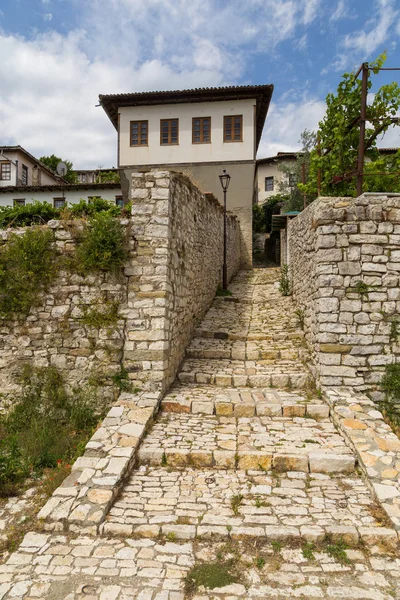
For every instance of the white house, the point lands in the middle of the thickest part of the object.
(200, 132)
(269, 176)
(60, 195)
(19, 168)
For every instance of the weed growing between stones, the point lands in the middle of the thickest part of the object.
(307, 551)
(27, 267)
(212, 575)
(102, 315)
(300, 317)
(236, 501)
(46, 427)
(338, 552)
(284, 281)
(221, 292)
(391, 386)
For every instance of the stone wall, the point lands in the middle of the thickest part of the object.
(53, 333)
(179, 232)
(345, 266)
(174, 267)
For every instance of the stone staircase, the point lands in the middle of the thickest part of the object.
(241, 446)
(243, 466)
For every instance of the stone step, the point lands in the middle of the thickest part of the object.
(185, 504)
(240, 373)
(282, 443)
(242, 402)
(272, 350)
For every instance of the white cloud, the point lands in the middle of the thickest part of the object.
(341, 12)
(51, 82)
(311, 8)
(368, 40)
(47, 17)
(286, 122)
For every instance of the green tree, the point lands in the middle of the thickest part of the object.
(108, 177)
(339, 137)
(293, 173)
(262, 213)
(52, 161)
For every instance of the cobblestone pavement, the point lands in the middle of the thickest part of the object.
(243, 471)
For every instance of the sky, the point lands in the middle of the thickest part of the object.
(57, 56)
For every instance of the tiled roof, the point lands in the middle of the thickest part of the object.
(59, 187)
(261, 93)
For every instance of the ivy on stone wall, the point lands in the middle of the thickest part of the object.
(27, 267)
(102, 246)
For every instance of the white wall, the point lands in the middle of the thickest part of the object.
(22, 159)
(270, 170)
(186, 151)
(71, 196)
(13, 157)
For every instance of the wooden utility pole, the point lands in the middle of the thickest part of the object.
(363, 119)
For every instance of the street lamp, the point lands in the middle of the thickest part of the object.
(224, 179)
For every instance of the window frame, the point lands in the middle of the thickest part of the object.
(271, 178)
(201, 119)
(139, 123)
(232, 120)
(119, 197)
(24, 172)
(19, 202)
(169, 143)
(57, 200)
(5, 163)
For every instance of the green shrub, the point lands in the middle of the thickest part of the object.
(103, 245)
(284, 281)
(96, 206)
(35, 213)
(27, 266)
(47, 425)
(391, 386)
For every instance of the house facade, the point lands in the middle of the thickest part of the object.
(200, 132)
(269, 175)
(19, 168)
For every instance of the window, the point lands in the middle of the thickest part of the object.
(24, 175)
(169, 134)
(119, 201)
(19, 202)
(201, 130)
(269, 184)
(139, 133)
(5, 171)
(233, 129)
(59, 202)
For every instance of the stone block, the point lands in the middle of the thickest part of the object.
(317, 411)
(324, 462)
(345, 533)
(253, 460)
(382, 536)
(290, 462)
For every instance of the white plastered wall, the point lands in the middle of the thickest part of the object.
(186, 151)
(71, 196)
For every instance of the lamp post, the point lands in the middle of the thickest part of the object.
(224, 179)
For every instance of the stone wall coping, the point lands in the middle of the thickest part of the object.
(376, 446)
(84, 498)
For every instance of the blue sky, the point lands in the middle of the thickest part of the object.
(58, 55)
